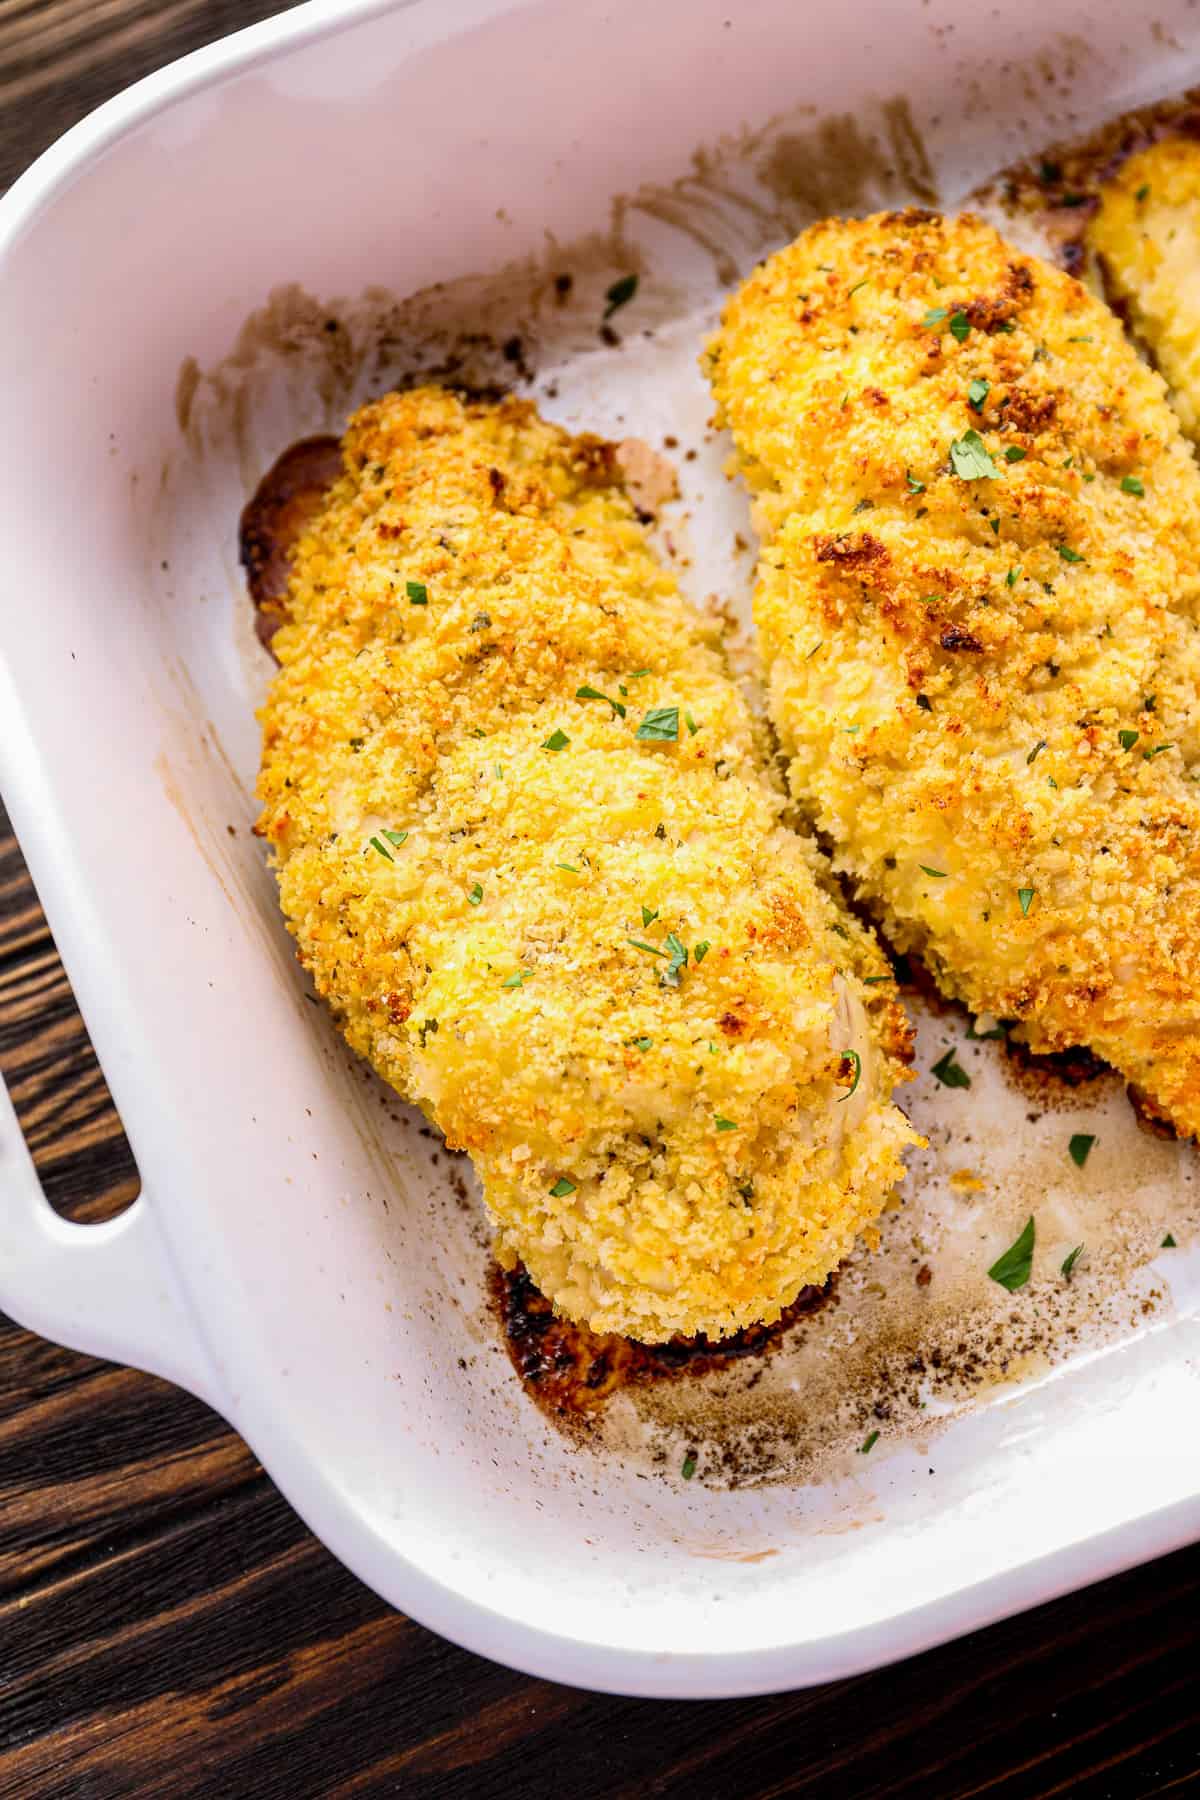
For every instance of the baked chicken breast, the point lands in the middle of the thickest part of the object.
(530, 854)
(977, 601)
(1146, 233)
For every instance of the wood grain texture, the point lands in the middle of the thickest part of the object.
(169, 1627)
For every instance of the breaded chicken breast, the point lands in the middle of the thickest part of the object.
(531, 858)
(977, 599)
(1146, 233)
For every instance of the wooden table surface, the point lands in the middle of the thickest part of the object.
(168, 1626)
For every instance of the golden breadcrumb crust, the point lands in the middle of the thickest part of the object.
(977, 601)
(1146, 233)
(493, 878)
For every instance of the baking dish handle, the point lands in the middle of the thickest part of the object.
(105, 1289)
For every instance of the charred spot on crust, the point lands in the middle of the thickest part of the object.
(1029, 412)
(993, 312)
(1150, 1120)
(955, 638)
(286, 500)
(570, 1370)
(850, 550)
(595, 459)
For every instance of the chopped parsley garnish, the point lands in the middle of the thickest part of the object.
(1083, 338)
(1014, 453)
(914, 486)
(950, 1072)
(868, 1443)
(591, 693)
(1128, 739)
(677, 962)
(857, 285)
(475, 897)
(1079, 1147)
(517, 980)
(691, 724)
(562, 1188)
(873, 980)
(648, 917)
(395, 837)
(1025, 896)
(855, 1060)
(977, 392)
(1143, 191)
(1068, 555)
(814, 649)
(558, 740)
(378, 844)
(639, 945)
(701, 950)
(643, 1043)
(925, 703)
(938, 874)
(1149, 755)
(1050, 173)
(569, 867)
(689, 1466)
(970, 459)
(417, 592)
(960, 325)
(935, 315)
(1013, 1269)
(1069, 1261)
(620, 294)
(1036, 751)
(723, 1124)
(1169, 1243)
(660, 725)
(930, 599)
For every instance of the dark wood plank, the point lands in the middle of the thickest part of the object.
(167, 1624)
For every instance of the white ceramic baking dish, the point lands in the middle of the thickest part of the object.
(295, 1257)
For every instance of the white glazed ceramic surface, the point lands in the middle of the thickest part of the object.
(295, 1257)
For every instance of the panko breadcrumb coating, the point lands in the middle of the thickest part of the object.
(1146, 233)
(977, 600)
(526, 844)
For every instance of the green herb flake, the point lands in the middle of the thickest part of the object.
(643, 1043)
(914, 486)
(1079, 1147)
(1036, 751)
(868, 1443)
(814, 649)
(723, 1124)
(648, 917)
(950, 1072)
(678, 956)
(1025, 896)
(1168, 1242)
(660, 725)
(935, 315)
(701, 950)
(1068, 555)
(857, 285)
(517, 980)
(1067, 1268)
(378, 844)
(417, 592)
(1149, 755)
(1083, 338)
(591, 693)
(960, 326)
(938, 874)
(620, 294)
(569, 867)
(562, 1188)
(689, 1466)
(1128, 739)
(558, 740)
(925, 703)
(1143, 192)
(475, 897)
(1049, 173)
(977, 392)
(691, 724)
(652, 948)
(855, 1060)
(874, 980)
(1013, 1269)
(1014, 454)
(395, 837)
(969, 458)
